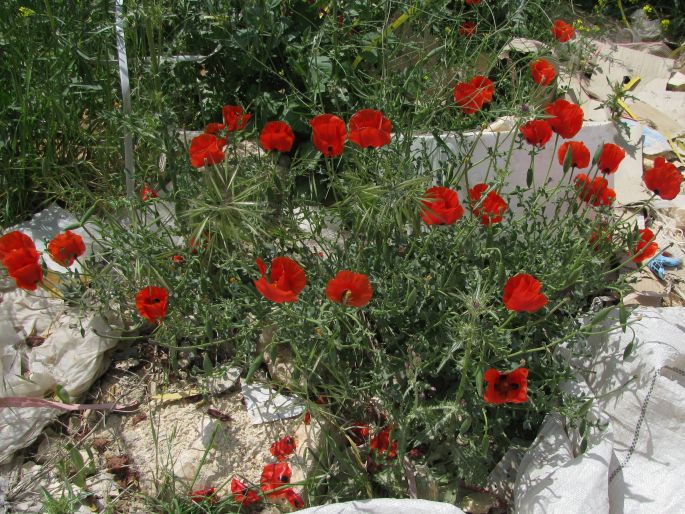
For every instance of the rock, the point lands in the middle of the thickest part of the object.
(303, 461)
(222, 383)
(186, 466)
(102, 485)
(478, 503)
(47, 447)
(278, 359)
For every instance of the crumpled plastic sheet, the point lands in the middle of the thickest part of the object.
(635, 457)
(385, 506)
(65, 358)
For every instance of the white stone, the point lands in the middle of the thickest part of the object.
(222, 382)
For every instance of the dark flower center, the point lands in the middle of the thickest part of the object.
(504, 387)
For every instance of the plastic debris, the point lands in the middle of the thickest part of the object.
(659, 264)
(265, 405)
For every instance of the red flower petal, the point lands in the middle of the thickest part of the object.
(151, 303)
(349, 288)
(646, 247)
(543, 72)
(283, 447)
(580, 155)
(275, 475)
(65, 248)
(566, 118)
(206, 149)
(536, 132)
(234, 117)
(277, 136)
(370, 129)
(562, 31)
(467, 29)
(329, 134)
(506, 387)
(610, 158)
(491, 209)
(664, 179)
(522, 294)
(13, 241)
(242, 494)
(287, 280)
(441, 206)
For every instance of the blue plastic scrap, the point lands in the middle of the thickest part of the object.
(659, 264)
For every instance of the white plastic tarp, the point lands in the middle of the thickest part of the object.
(635, 460)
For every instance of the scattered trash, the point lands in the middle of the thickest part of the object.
(264, 405)
(72, 356)
(659, 264)
(654, 143)
(676, 82)
(635, 379)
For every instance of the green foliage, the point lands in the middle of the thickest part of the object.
(414, 359)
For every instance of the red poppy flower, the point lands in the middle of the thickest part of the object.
(329, 134)
(566, 118)
(646, 247)
(467, 29)
(307, 418)
(22, 265)
(471, 96)
(147, 193)
(359, 433)
(471, 2)
(206, 149)
(491, 209)
(536, 132)
(562, 31)
(242, 494)
(293, 498)
(275, 475)
(66, 247)
(580, 155)
(200, 244)
(595, 191)
(441, 206)
(177, 259)
(506, 387)
(214, 128)
(522, 294)
(381, 445)
(287, 280)
(370, 129)
(283, 447)
(151, 303)
(543, 72)
(207, 494)
(610, 158)
(277, 136)
(664, 179)
(598, 240)
(235, 117)
(349, 289)
(13, 241)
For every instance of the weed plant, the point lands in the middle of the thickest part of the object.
(413, 361)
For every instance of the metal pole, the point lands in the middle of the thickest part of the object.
(129, 163)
